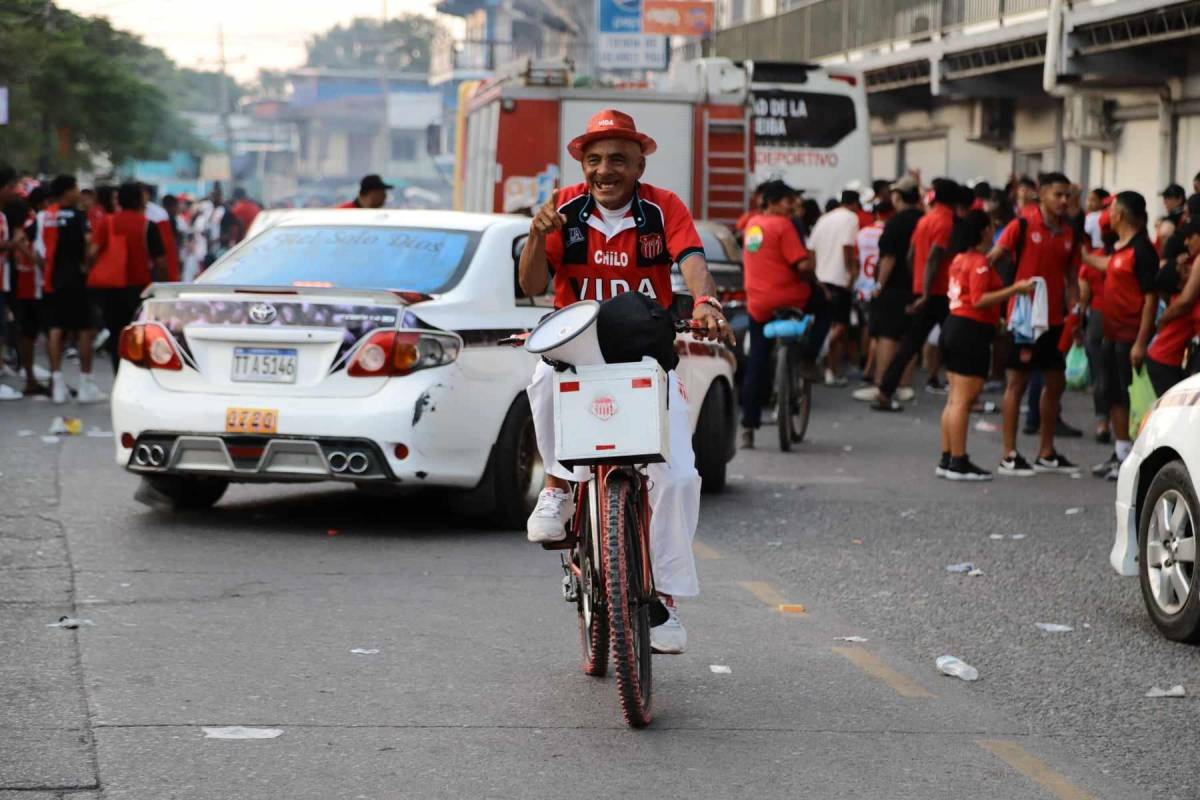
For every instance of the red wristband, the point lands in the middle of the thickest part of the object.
(711, 301)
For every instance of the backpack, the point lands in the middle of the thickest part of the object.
(631, 326)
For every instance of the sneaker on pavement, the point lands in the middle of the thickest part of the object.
(942, 465)
(1113, 473)
(58, 388)
(71, 354)
(866, 394)
(89, 392)
(670, 638)
(1102, 469)
(747, 438)
(834, 380)
(548, 522)
(9, 393)
(1066, 431)
(905, 394)
(891, 404)
(1015, 465)
(934, 386)
(41, 373)
(1054, 463)
(961, 469)
(8, 372)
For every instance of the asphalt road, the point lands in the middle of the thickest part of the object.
(247, 615)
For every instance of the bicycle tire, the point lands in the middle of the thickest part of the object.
(783, 396)
(628, 600)
(803, 407)
(590, 600)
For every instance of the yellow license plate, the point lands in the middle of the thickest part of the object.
(251, 420)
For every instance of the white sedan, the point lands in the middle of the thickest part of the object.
(1158, 511)
(357, 346)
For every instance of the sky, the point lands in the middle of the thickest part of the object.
(258, 33)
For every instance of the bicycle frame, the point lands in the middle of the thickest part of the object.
(600, 475)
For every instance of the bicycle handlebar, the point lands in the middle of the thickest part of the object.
(681, 326)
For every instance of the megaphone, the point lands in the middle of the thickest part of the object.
(569, 335)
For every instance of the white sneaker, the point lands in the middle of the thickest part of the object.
(58, 388)
(866, 394)
(8, 372)
(905, 394)
(9, 393)
(89, 392)
(834, 380)
(548, 522)
(670, 638)
(41, 373)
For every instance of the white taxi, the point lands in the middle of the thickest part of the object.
(358, 346)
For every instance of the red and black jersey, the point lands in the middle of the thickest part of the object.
(590, 264)
(27, 273)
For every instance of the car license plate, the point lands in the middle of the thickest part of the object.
(264, 364)
(251, 420)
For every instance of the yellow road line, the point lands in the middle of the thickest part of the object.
(1033, 768)
(704, 552)
(869, 663)
(765, 592)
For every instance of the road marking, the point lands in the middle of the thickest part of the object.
(869, 663)
(704, 552)
(765, 592)
(792, 608)
(1033, 768)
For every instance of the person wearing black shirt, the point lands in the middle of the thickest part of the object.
(68, 305)
(888, 319)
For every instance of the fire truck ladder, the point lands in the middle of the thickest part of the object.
(726, 167)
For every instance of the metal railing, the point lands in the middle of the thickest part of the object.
(814, 29)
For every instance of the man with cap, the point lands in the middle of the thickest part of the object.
(605, 236)
(372, 193)
(1173, 198)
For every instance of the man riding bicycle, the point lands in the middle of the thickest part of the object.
(608, 235)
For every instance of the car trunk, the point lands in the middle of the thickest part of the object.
(238, 341)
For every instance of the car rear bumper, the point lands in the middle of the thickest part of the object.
(397, 432)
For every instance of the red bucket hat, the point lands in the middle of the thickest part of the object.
(610, 124)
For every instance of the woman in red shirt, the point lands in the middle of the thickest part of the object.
(1176, 326)
(976, 293)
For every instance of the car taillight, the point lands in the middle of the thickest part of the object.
(390, 353)
(147, 344)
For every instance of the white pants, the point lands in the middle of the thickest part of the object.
(674, 484)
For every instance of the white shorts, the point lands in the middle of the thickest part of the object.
(674, 484)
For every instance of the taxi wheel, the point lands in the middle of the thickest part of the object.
(176, 493)
(1167, 537)
(708, 440)
(516, 467)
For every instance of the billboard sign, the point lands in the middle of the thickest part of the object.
(677, 17)
(620, 16)
(632, 51)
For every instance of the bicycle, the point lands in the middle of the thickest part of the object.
(607, 573)
(793, 392)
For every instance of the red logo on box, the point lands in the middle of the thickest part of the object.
(604, 408)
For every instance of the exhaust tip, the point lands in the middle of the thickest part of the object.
(141, 455)
(157, 455)
(338, 461)
(358, 463)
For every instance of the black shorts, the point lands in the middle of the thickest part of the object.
(69, 310)
(840, 301)
(1163, 376)
(30, 316)
(888, 317)
(1118, 372)
(1042, 354)
(967, 346)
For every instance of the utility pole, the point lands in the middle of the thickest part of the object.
(386, 128)
(223, 98)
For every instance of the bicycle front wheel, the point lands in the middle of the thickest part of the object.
(629, 596)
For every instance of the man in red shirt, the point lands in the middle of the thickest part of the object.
(245, 209)
(608, 235)
(1044, 241)
(1130, 303)
(930, 257)
(778, 273)
(372, 193)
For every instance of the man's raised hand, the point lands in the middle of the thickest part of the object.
(547, 218)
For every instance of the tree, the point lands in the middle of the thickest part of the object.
(79, 88)
(404, 42)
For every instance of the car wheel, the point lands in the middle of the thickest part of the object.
(516, 467)
(178, 493)
(709, 440)
(1167, 554)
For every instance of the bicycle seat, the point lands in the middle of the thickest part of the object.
(788, 327)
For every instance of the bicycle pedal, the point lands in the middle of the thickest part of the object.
(568, 589)
(565, 544)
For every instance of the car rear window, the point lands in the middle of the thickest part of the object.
(354, 257)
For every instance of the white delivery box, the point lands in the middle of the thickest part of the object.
(611, 414)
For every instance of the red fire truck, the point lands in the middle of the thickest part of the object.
(721, 127)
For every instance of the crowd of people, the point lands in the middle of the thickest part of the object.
(993, 286)
(74, 262)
